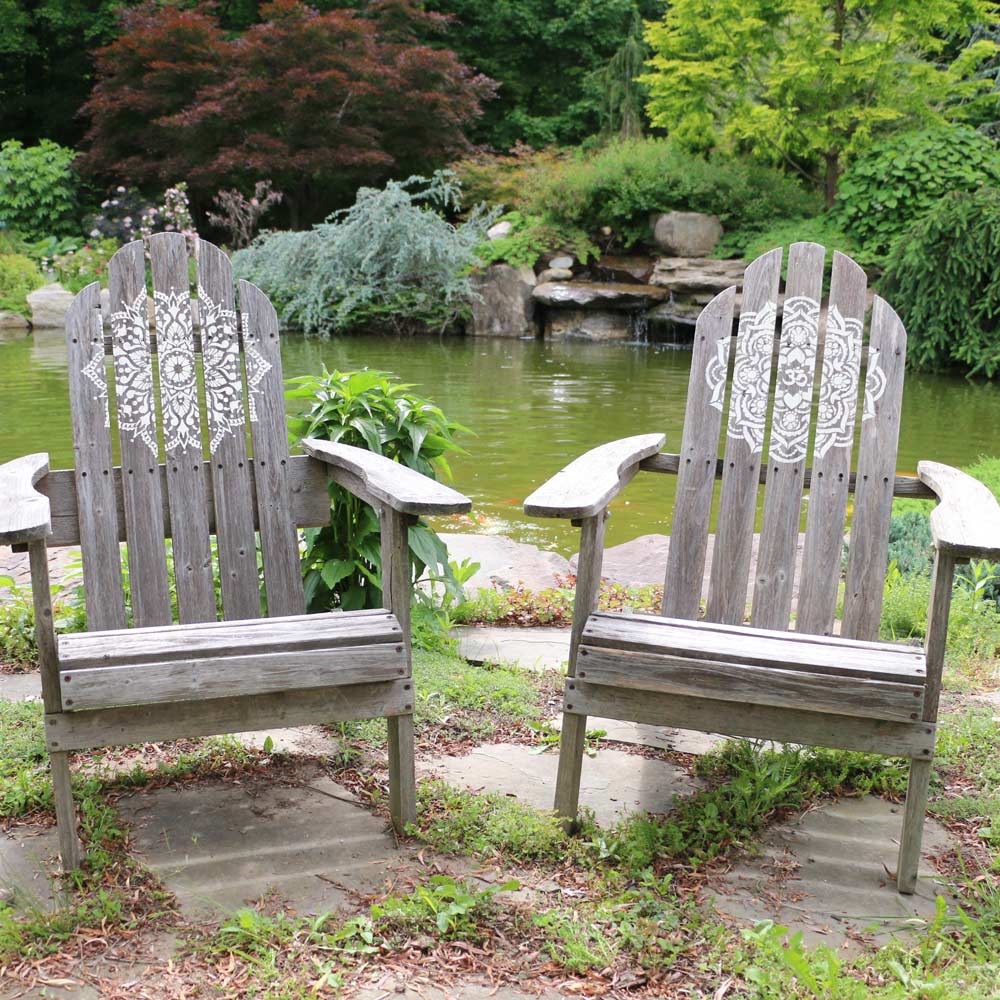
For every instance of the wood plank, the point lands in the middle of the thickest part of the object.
(902, 486)
(589, 483)
(138, 437)
(24, 512)
(727, 592)
(307, 483)
(216, 716)
(279, 541)
(966, 523)
(699, 457)
(883, 396)
(98, 508)
(902, 739)
(187, 489)
(383, 482)
(789, 441)
(761, 647)
(261, 635)
(736, 681)
(207, 678)
(831, 479)
(232, 486)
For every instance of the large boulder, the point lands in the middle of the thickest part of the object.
(502, 303)
(12, 326)
(598, 295)
(505, 563)
(699, 276)
(49, 305)
(499, 230)
(688, 234)
(589, 324)
(611, 267)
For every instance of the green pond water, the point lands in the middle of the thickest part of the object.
(533, 405)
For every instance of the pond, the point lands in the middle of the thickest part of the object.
(533, 406)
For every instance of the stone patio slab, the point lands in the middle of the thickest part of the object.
(219, 847)
(614, 783)
(532, 648)
(20, 687)
(504, 562)
(461, 991)
(24, 880)
(830, 872)
(657, 737)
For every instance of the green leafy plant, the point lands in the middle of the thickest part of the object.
(530, 237)
(77, 268)
(910, 544)
(19, 275)
(39, 195)
(890, 186)
(953, 320)
(368, 409)
(391, 259)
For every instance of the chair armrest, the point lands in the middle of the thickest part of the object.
(966, 521)
(379, 479)
(24, 512)
(589, 483)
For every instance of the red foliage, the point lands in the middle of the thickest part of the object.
(315, 102)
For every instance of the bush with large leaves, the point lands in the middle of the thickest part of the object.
(341, 565)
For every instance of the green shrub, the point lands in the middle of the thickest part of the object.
(505, 179)
(623, 183)
(38, 189)
(391, 259)
(910, 544)
(77, 268)
(943, 279)
(368, 409)
(885, 190)
(530, 237)
(19, 275)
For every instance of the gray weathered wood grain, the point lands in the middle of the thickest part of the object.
(187, 486)
(727, 592)
(698, 459)
(24, 512)
(99, 514)
(788, 446)
(831, 473)
(226, 414)
(883, 396)
(279, 539)
(142, 498)
(966, 523)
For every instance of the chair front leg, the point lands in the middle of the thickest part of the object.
(920, 770)
(574, 727)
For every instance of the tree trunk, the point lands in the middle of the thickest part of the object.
(832, 176)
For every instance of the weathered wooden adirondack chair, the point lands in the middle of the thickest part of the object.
(157, 680)
(717, 674)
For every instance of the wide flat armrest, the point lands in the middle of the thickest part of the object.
(385, 481)
(966, 521)
(587, 485)
(24, 512)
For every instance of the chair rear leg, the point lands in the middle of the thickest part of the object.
(402, 772)
(69, 842)
(571, 746)
(913, 825)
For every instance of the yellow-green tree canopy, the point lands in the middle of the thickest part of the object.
(807, 82)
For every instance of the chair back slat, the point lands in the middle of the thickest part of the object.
(789, 441)
(831, 464)
(232, 486)
(181, 419)
(698, 457)
(883, 397)
(92, 474)
(744, 440)
(138, 437)
(265, 403)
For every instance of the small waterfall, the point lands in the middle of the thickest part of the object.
(640, 326)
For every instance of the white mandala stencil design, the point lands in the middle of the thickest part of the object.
(838, 390)
(178, 377)
(134, 372)
(793, 392)
(875, 383)
(95, 373)
(751, 373)
(257, 367)
(221, 354)
(716, 371)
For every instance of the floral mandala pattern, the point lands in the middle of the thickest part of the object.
(178, 379)
(95, 374)
(875, 383)
(751, 372)
(134, 372)
(716, 371)
(257, 367)
(793, 392)
(220, 348)
(838, 390)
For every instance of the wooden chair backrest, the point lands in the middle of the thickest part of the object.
(180, 398)
(800, 389)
